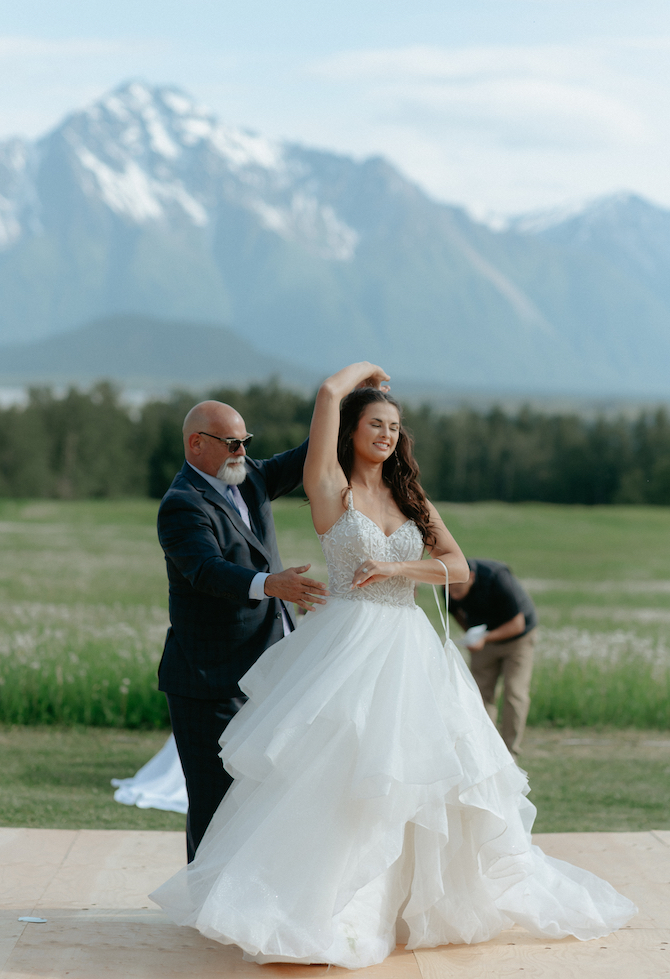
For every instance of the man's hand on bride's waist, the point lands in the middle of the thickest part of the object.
(291, 586)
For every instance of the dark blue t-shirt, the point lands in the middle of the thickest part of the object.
(495, 597)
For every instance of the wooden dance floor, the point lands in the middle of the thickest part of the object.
(91, 886)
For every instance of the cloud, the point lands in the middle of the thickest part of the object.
(429, 61)
(425, 61)
(18, 48)
(547, 120)
(544, 95)
(517, 112)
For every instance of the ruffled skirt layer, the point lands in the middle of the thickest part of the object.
(374, 801)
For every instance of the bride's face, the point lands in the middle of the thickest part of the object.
(377, 433)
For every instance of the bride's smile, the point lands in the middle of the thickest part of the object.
(376, 436)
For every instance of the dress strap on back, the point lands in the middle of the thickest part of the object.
(350, 499)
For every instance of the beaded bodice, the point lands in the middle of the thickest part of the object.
(353, 539)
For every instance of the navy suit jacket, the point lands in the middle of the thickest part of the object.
(217, 633)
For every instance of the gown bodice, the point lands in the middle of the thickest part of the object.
(355, 538)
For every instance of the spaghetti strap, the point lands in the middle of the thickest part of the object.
(443, 618)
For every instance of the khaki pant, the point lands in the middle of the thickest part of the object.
(513, 661)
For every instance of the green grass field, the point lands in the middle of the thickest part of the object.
(83, 603)
(600, 578)
(82, 613)
(83, 606)
(581, 780)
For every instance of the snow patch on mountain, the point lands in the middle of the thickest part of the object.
(160, 141)
(132, 193)
(15, 189)
(536, 222)
(166, 121)
(316, 227)
(181, 104)
(10, 226)
(243, 149)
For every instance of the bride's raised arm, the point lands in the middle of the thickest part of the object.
(323, 478)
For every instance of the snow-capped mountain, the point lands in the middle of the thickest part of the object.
(145, 204)
(156, 157)
(623, 229)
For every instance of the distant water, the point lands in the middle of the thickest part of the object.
(13, 396)
(133, 399)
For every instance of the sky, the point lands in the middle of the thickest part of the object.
(503, 106)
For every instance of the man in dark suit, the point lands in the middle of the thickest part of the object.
(229, 596)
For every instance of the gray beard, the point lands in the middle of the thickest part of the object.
(233, 473)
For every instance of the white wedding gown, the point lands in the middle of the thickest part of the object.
(157, 785)
(374, 800)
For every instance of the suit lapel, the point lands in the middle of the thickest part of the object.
(215, 498)
(250, 497)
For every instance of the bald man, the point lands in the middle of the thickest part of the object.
(229, 596)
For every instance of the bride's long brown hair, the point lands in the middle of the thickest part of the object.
(400, 471)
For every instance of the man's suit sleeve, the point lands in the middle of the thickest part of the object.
(186, 536)
(283, 472)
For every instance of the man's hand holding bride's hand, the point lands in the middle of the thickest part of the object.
(290, 586)
(371, 572)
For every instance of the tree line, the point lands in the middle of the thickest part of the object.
(88, 444)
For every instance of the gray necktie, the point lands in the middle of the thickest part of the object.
(230, 498)
(234, 497)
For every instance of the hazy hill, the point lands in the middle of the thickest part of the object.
(147, 353)
(145, 204)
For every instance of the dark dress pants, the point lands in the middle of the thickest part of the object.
(197, 726)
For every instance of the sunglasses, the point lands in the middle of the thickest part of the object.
(233, 444)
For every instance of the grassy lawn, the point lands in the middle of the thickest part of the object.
(60, 778)
(585, 780)
(581, 780)
(83, 613)
(83, 602)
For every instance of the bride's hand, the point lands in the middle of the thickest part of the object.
(371, 572)
(376, 379)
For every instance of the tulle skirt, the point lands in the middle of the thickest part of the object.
(157, 785)
(374, 801)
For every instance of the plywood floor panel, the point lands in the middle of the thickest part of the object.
(132, 864)
(80, 945)
(29, 858)
(92, 887)
(628, 954)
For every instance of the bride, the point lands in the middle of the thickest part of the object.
(374, 800)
